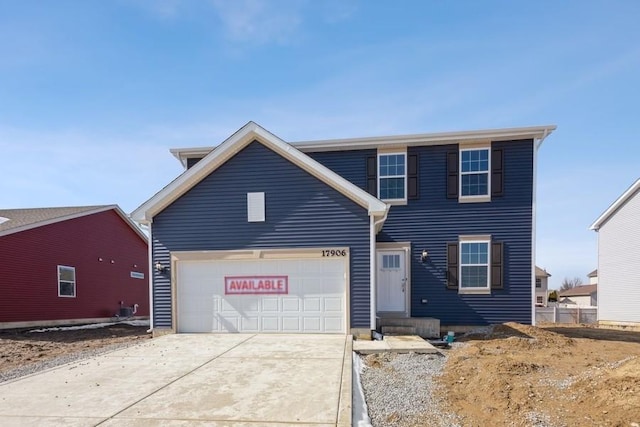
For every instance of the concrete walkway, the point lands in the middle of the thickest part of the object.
(181, 380)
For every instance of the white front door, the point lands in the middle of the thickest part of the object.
(392, 283)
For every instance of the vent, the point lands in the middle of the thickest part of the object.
(255, 207)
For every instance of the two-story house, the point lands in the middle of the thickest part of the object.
(262, 235)
(542, 287)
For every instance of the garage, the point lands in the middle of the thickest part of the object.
(262, 291)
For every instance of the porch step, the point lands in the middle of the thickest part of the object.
(398, 330)
(425, 327)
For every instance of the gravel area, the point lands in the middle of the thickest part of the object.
(32, 368)
(400, 391)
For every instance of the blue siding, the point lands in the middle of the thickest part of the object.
(301, 211)
(433, 220)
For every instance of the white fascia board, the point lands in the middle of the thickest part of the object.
(615, 206)
(232, 145)
(534, 132)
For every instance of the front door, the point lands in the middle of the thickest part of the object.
(392, 283)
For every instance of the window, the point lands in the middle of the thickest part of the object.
(391, 261)
(474, 265)
(538, 283)
(474, 172)
(66, 281)
(392, 176)
(539, 300)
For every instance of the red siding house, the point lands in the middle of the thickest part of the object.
(71, 265)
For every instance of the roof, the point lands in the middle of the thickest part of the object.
(486, 135)
(541, 272)
(579, 291)
(229, 148)
(631, 191)
(594, 273)
(17, 220)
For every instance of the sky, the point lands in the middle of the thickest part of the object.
(94, 93)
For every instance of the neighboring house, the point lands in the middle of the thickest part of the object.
(261, 235)
(542, 287)
(618, 260)
(593, 277)
(70, 265)
(582, 296)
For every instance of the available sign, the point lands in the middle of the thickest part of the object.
(252, 285)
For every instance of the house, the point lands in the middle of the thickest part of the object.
(593, 277)
(618, 277)
(582, 296)
(71, 265)
(335, 236)
(542, 287)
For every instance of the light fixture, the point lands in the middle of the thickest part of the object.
(425, 254)
(159, 267)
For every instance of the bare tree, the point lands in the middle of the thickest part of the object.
(570, 283)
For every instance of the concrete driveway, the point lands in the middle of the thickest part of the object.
(179, 380)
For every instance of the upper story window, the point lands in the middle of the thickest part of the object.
(474, 172)
(538, 283)
(66, 281)
(392, 176)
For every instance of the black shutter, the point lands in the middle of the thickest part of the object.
(497, 257)
(372, 175)
(497, 172)
(452, 265)
(412, 176)
(452, 174)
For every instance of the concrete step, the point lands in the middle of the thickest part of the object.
(398, 330)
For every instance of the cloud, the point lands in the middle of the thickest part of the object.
(260, 22)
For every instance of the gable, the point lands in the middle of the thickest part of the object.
(251, 133)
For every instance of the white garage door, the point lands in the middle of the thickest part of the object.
(262, 295)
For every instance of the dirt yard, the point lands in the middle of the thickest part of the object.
(545, 376)
(19, 347)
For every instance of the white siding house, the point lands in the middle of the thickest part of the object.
(542, 287)
(619, 260)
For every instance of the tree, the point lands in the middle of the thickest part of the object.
(570, 283)
(553, 296)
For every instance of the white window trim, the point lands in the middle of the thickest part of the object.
(378, 177)
(480, 198)
(476, 290)
(75, 280)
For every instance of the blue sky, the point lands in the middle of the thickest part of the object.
(94, 93)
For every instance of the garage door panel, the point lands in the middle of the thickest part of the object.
(270, 324)
(290, 304)
(314, 302)
(312, 324)
(270, 304)
(291, 324)
(332, 324)
(333, 305)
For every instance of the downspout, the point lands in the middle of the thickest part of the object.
(150, 250)
(372, 267)
(536, 146)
